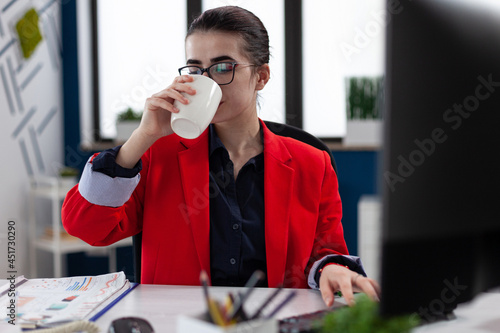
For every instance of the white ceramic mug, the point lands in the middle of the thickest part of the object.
(193, 118)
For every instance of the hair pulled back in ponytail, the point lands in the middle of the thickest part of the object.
(233, 19)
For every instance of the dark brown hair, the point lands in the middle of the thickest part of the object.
(240, 21)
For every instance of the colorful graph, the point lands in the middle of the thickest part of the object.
(23, 300)
(45, 284)
(108, 284)
(57, 306)
(77, 286)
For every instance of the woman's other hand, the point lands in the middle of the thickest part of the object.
(339, 278)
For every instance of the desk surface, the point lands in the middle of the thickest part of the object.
(161, 305)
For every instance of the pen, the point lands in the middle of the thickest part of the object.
(116, 300)
(266, 302)
(282, 304)
(250, 285)
(19, 281)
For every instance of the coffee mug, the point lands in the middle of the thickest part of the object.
(193, 118)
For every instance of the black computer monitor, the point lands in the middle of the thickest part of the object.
(440, 165)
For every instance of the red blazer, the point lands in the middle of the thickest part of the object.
(171, 206)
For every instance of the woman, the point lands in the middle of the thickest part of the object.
(236, 199)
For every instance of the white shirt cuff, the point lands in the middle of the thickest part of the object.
(353, 261)
(103, 190)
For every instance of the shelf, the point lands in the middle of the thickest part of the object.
(46, 187)
(352, 147)
(56, 240)
(75, 245)
(45, 192)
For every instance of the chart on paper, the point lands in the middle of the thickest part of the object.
(49, 300)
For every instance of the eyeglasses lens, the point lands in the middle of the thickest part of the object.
(191, 70)
(222, 73)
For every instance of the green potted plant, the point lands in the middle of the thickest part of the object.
(364, 317)
(364, 102)
(127, 121)
(68, 176)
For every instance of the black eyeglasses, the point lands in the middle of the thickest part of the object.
(221, 72)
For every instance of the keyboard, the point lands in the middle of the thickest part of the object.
(304, 323)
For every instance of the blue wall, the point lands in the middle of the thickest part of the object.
(357, 176)
(73, 155)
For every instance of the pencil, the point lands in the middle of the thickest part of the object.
(282, 304)
(204, 283)
(228, 307)
(212, 305)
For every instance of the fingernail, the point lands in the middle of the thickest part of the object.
(328, 301)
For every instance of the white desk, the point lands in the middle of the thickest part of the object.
(481, 315)
(161, 305)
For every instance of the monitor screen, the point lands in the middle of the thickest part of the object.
(440, 162)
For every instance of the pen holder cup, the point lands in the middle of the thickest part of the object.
(190, 324)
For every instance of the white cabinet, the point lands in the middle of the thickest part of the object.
(45, 190)
(369, 234)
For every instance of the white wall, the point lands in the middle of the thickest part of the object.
(342, 38)
(31, 139)
(138, 56)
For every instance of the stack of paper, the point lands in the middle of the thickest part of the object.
(41, 302)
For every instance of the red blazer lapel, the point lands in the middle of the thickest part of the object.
(193, 165)
(278, 180)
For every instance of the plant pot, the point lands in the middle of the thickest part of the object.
(67, 182)
(125, 128)
(366, 132)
